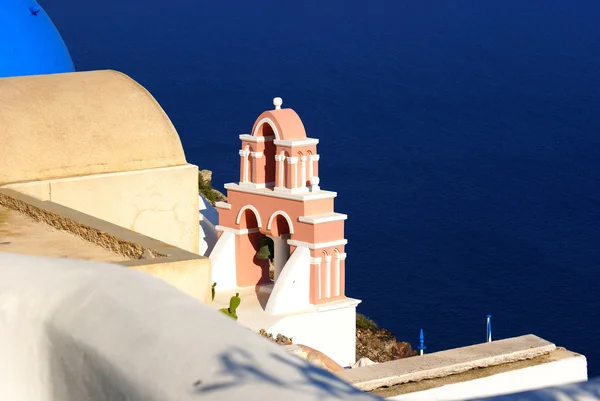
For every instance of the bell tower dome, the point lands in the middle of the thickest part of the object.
(278, 155)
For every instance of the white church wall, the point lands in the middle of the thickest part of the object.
(223, 261)
(292, 288)
(332, 331)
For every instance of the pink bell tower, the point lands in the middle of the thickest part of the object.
(278, 196)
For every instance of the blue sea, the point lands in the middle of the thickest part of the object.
(462, 137)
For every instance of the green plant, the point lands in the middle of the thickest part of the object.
(364, 323)
(206, 190)
(234, 302)
(213, 291)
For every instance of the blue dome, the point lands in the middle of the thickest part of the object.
(29, 42)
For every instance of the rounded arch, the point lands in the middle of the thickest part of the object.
(248, 207)
(284, 215)
(336, 253)
(259, 129)
(286, 124)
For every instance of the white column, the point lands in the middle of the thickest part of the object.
(244, 155)
(328, 276)
(254, 155)
(319, 281)
(294, 162)
(280, 160)
(311, 168)
(317, 262)
(303, 170)
(282, 253)
(338, 273)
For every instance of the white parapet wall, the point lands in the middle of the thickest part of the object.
(572, 369)
(86, 331)
(161, 203)
(494, 368)
(588, 391)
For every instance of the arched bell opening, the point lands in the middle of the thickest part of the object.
(266, 131)
(275, 244)
(266, 252)
(250, 270)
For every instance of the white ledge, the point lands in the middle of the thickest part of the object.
(296, 142)
(317, 245)
(256, 139)
(303, 196)
(222, 205)
(323, 218)
(243, 231)
(343, 303)
(252, 185)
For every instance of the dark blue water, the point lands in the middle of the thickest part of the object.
(463, 138)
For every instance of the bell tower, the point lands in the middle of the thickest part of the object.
(278, 202)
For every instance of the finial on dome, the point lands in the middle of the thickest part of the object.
(277, 102)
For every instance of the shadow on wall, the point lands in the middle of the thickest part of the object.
(587, 391)
(239, 373)
(72, 330)
(240, 369)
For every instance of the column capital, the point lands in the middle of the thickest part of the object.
(244, 153)
(314, 157)
(279, 158)
(292, 160)
(256, 155)
(303, 158)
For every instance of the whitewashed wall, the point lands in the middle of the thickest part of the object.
(209, 219)
(332, 331)
(565, 371)
(87, 331)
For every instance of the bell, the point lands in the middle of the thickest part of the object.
(264, 252)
